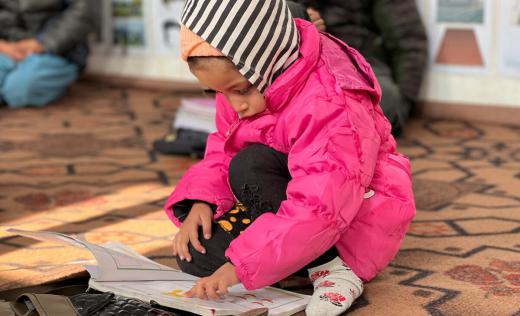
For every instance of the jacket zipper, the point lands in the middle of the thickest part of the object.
(230, 131)
(232, 128)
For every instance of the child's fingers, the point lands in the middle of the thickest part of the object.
(223, 288)
(176, 245)
(211, 291)
(206, 226)
(194, 239)
(188, 294)
(174, 248)
(185, 251)
(197, 291)
(181, 247)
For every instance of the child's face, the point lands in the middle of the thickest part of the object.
(220, 74)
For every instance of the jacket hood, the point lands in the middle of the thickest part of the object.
(259, 37)
(321, 48)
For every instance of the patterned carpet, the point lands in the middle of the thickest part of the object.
(85, 166)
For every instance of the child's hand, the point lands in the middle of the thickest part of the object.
(200, 215)
(215, 285)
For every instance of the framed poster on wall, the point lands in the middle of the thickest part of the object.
(131, 27)
(166, 26)
(460, 35)
(128, 26)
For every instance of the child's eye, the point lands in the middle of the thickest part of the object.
(244, 91)
(209, 92)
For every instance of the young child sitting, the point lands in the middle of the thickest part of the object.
(302, 144)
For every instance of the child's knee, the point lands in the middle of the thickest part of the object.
(248, 156)
(201, 264)
(204, 264)
(249, 159)
(193, 268)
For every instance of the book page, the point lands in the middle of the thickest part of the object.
(171, 294)
(48, 236)
(116, 264)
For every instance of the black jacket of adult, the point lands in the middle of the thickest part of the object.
(61, 26)
(388, 31)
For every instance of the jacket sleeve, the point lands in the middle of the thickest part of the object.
(405, 40)
(206, 181)
(70, 28)
(329, 179)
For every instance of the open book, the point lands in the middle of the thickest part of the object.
(125, 272)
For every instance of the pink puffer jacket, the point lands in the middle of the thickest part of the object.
(324, 113)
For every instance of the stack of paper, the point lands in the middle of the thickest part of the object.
(196, 114)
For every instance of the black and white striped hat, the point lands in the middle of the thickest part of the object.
(258, 36)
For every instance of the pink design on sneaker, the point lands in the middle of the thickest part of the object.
(325, 284)
(319, 274)
(334, 298)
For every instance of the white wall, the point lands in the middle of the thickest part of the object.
(487, 87)
(141, 66)
(154, 61)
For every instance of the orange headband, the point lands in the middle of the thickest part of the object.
(194, 46)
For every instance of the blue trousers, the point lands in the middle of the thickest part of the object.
(36, 80)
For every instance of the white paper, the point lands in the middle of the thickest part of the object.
(196, 114)
(194, 122)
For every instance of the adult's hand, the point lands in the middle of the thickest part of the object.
(30, 46)
(317, 19)
(12, 51)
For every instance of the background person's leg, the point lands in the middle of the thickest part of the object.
(395, 107)
(6, 66)
(38, 80)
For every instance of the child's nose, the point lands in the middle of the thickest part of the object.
(240, 106)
